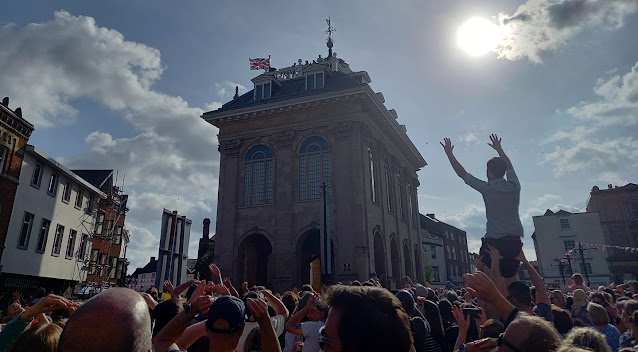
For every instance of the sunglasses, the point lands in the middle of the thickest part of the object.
(502, 341)
(324, 340)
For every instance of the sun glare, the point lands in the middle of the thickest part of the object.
(478, 36)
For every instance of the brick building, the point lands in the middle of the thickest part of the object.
(457, 258)
(618, 210)
(302, 127)
(14, 135)
(107, 261)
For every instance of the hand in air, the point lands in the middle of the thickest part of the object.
(496, 142)
(448, 147)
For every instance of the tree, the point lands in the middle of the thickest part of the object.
(429, 273)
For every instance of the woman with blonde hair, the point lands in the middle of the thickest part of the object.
(586, 338)
(600, 320)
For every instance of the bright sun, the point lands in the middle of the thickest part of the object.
(478, 36)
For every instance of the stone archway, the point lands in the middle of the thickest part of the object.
(308, 261)
(252, 259)
(379, 257)
(396, 263)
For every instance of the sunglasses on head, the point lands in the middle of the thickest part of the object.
(324, 340)
(502, 341)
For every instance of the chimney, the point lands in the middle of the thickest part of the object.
(18, 112)
(206, 228)
(430, 216)
(610, 186)
(5, 101)
(152, 259)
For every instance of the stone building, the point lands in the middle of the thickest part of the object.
(618, 209)
(14, 135)
(457, 258)
(302, 127)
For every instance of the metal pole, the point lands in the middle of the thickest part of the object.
(569, 261)
(582, 258)
(561, 268)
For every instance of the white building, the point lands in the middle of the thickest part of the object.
(434, 253)
(50, 228)
(144, 278)
(556, 240)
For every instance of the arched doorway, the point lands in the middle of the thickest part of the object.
(309, 259)
(406, 259)
(379, 257)
(252, 259)
(418, 265)
(396, 262)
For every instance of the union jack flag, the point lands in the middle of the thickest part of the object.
(259, 63)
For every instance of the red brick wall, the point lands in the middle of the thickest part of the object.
(8, 188)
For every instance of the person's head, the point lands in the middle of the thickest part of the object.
(407, 301)
(290, 300)
(117, 319)
(630, 306)
(365, 319)
(445, 307)
(598, 298)
(14, 310)
(420, 291)
(558, 298)
(40, 292)
(563, 321)
(520, 295)
(578, 279)
(356, 283)
(492, 328)
(164, 312)
(226, 321)
(433, 316)
(153, 292)
(42, 337)
(589, 339)
(529, 333)
(496, 168)
(580, 298)
(597, 314)
(318, 311)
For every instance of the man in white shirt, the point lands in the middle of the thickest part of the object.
(316, 311)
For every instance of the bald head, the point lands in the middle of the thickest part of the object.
(114, 320)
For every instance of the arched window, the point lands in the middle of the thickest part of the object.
(401, 198)
(258, 176)
(410, 208)
(373, 182)
(314, 167)
(388, 188)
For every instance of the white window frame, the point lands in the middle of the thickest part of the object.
(260, 88)
(66, 192)
(314, 80)
(57, 240)
(53, 184)
(567, 248)
(564, 224)
(43, 236)
(25, 233)
(79, 198)
(70, 244)
(586, 267)
(36, 178)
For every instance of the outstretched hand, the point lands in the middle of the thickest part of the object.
(496, 142)
(448, 147)
(481, 286)
(461, 319)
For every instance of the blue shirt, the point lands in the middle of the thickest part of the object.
(612, 334)
(627, 339)
(501, 198)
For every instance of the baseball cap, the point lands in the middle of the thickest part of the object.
(229, 308)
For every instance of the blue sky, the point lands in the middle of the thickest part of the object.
(121, 84)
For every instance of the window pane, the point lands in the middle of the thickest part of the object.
(302, 178)
(37, 174)
(326, 168)
(266, 90)
(71, 244)
(247, 190)
(258, 182)
(269, 197)
(310, 82)
(259, 89)
(53, 183)
(25, 231)
(319, 80)
(44, 234)
(314, 175)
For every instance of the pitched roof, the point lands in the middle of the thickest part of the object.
(94, 177)
(291, 88)
(150, 267)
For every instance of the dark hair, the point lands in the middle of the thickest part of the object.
(42, 337)
(520, 291)
(445, 308)
(492, 328)
(164, 312)
(307, 287)
(497, 166)
(563, 321)
(367, 312)
(290, 300)
(433, 316)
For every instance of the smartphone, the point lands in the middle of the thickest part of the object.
(472, 312)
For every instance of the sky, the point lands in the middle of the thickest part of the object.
(122, 85)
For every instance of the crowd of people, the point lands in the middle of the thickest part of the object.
(356, 316)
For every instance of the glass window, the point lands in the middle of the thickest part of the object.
(586, 268)
(66, 192)
(53, 184)
(4, 153)
(70, 246)
(633, 211)
(83, 245)
(57, 240)
(43, 236)
(310, 82)
(314, 81)
(259, 91)
(99, 222)
(25, 231)
(258, 179)
(373, 184)
(401, 197)
(314, 168)
(569, 244)
(319, 80)
(454, 253)
(112, 267)
(267, 90)
(37, 176)
(79, 199)
(564, 224)
(435, 273)
(388, 189)
(433, 250)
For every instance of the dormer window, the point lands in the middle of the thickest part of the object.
(314, 80)
(263, 91)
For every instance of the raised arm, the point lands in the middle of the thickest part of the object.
(541, 291)
(448, 147)
(167, 338)
(293, 325)
(275, 303)
(482, 287)
(496, 144)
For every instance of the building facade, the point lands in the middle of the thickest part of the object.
(618, 210)
(107, 260)
(50, 228)
(302, 128)
(457, 259)
(143, 278)
(433, 250)
(173, 250)
(558, 238)
(14, 135)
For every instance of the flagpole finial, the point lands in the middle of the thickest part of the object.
(329, 31)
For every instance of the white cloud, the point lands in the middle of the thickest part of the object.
(169, 157)
(469, 138)
(226, 89)
(539, 26)
(212, 106)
